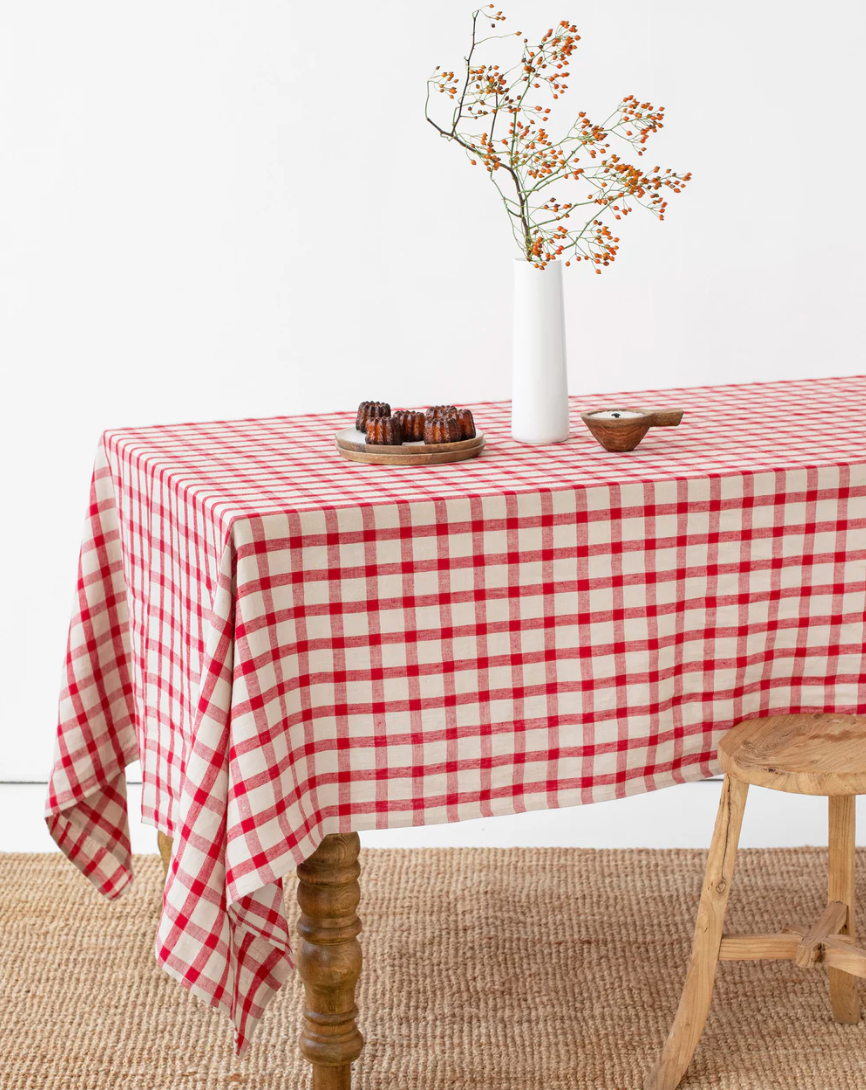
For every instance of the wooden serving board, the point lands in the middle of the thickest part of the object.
(352, 439)
(350, 443)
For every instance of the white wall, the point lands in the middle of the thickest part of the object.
(197, 221)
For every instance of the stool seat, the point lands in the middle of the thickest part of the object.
(815, 753)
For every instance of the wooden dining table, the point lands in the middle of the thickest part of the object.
(299, 648)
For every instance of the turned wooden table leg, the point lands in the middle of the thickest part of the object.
(329, 959)
(165, 844)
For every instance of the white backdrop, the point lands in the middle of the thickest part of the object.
(213, 209)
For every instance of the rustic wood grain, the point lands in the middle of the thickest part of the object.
(829, 923)
(329, 959)
(819, 753)
(841, 886)
(432, 458)
(778, 947)
(626, 433)
(812, 754)
(351, 439)
(845, 958)
(165, 844)
(697, 994)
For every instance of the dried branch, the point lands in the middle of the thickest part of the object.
(533, 163)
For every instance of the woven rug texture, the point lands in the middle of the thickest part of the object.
(489, 969)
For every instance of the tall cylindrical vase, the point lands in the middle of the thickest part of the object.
(539, 389)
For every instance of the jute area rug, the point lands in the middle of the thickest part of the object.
(490, 969)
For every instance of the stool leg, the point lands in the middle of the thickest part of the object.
(691, 1016)
(844, 996)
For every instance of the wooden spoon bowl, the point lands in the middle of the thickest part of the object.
(621, 433)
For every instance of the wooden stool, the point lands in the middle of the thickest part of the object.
(813, 754)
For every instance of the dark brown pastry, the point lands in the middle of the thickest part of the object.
(442, 429)
(411, 424)
(435, 411)
(368, 410)
(384, 430)
(465, 423)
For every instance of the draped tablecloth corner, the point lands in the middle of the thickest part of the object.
(295, 645)
(96, 739)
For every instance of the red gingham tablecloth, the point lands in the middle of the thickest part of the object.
(296, 645)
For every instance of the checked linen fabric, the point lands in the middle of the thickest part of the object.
(296, 645)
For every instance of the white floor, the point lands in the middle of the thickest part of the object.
(679, 817)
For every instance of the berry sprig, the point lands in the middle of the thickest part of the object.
(500, 125)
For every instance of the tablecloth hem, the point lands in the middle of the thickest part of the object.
(691, 770)
(89, 857)
(59, 802)
(92, 829)
(265, 966)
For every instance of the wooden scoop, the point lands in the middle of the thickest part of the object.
(624, 432)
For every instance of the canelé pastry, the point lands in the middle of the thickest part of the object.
(465, 423)
(371, 410)
(435, 411)
(384, 430)
(411, 424)
(442, 429)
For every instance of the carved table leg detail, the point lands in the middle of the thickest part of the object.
(165, 844)
(329, 959)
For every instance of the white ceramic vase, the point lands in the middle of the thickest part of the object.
(539, 389)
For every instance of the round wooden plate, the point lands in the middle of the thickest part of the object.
(352, 439)
(350, 443)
